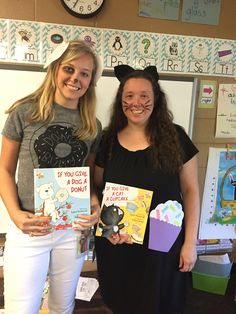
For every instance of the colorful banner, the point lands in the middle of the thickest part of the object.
(31, 43)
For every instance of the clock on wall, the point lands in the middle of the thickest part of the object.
(83, 8)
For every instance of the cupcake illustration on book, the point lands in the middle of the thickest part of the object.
(165, 225)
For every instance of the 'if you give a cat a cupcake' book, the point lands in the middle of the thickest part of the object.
(124, 210)
(62, 194)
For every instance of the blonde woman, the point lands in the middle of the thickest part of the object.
(55, 126)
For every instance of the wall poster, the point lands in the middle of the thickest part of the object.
(226, 111)
(218, 212)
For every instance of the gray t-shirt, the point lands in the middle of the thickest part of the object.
(46, 145)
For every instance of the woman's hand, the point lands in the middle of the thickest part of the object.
(32, 225)
(188, 257)
(120, 238)
(87, 221)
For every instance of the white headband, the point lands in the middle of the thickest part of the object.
(61, 48)
(99, 71)
(56, 53)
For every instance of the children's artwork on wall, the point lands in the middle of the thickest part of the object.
(218, 212)
(202, 12)
(226, 111)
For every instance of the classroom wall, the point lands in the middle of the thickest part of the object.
(123, 14)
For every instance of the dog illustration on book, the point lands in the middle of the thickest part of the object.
(46, 193)
(111, 217)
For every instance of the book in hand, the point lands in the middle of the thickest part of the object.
(124, 210)
(62, 194)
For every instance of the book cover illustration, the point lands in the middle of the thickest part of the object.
(165, 225)
(124, 210)
(218, 212)
(62, 194)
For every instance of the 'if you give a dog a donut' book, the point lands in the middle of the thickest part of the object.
(62, 194)
(124, 210)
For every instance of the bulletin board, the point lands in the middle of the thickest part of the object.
(17, 82)
(181, 95)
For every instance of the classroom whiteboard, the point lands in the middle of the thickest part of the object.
(17, 83)
(181, 95)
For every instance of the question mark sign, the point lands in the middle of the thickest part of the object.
(147, 44)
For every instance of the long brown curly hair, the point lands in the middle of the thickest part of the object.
(165, 149)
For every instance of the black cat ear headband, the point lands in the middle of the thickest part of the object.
(122, 70)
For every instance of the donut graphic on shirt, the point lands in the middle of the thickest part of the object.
(58, 147)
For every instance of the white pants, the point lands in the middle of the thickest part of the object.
(27, 263)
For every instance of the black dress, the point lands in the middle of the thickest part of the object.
(134, 279)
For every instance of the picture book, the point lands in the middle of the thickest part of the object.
(62, 194)
(124, 210)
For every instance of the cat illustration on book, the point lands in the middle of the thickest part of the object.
(111, 217)
(125, 211)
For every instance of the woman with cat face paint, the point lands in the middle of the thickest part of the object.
(143, 148)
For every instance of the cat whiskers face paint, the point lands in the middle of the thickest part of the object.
(137, 107)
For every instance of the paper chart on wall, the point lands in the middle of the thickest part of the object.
(226, 111)
(218, 212)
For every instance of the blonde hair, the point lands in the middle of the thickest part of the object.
(42, 99)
